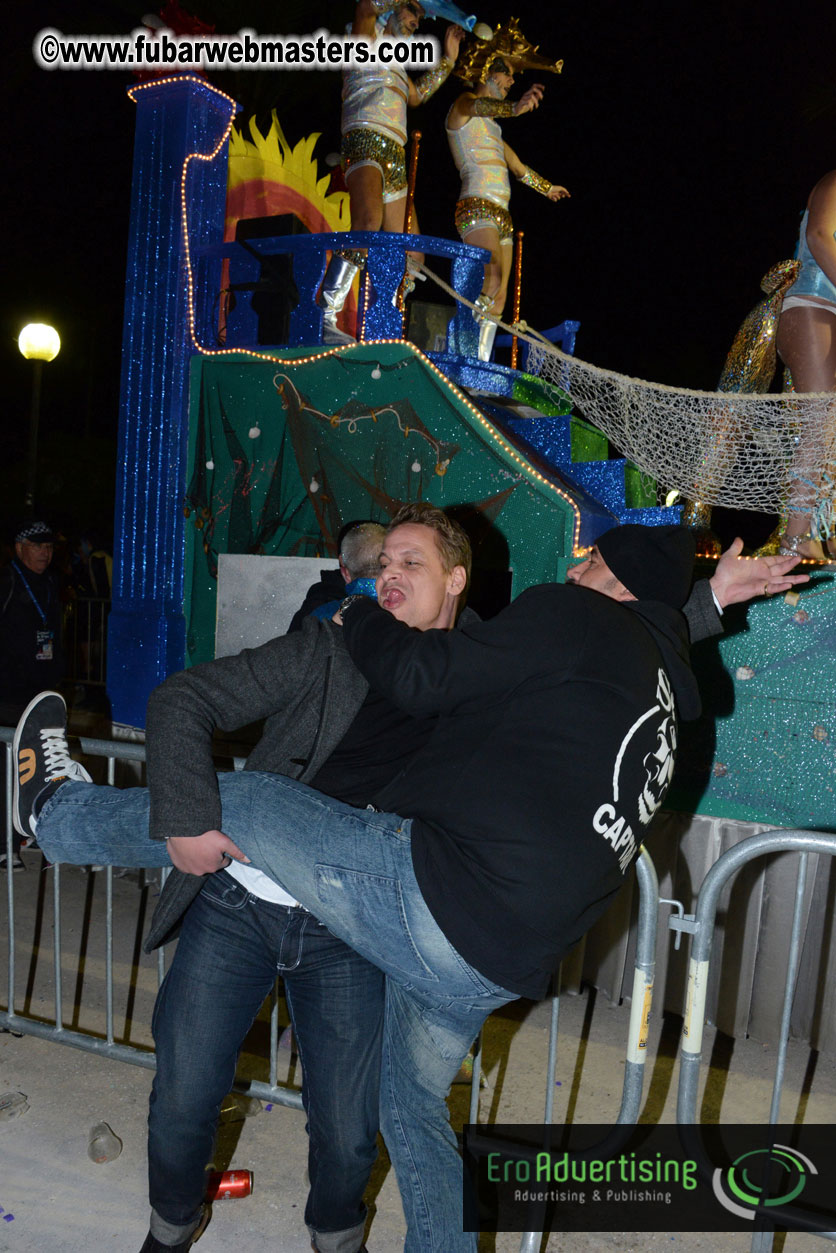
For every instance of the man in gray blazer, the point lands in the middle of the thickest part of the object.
(237, 929)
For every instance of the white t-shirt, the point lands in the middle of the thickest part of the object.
(259, 884)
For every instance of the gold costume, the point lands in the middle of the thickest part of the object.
(475, 211)
(368, 147)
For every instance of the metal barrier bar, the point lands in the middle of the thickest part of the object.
(25, 1024)
(85, 627)
(707, 903)
(790, 984)
(804, 843)
(644, 971)
(7, 843)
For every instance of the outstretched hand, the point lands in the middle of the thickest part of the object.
(738, 579)
(529, 100)
(203, 854)
(453, 37)
(558, 193)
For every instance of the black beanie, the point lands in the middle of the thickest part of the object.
(653, 562)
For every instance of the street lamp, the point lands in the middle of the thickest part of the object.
(38, 343)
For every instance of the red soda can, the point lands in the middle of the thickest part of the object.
(228, 1184)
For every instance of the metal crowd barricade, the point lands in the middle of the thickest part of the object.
(85, 630)
(643, 974)
(702, 926)
(55, 1030)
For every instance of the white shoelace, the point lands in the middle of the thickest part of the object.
(59, 763)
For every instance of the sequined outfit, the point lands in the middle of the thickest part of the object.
(479, 153)
(368, 147)
(812, 280)
(375, 98)
(473, 212)
(374, 124)
(530, 178)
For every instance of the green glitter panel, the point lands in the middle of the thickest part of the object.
(639, 488)
(546, 399)
(588, 444)
(765, 748)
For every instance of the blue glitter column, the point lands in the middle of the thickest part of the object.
(146, 636)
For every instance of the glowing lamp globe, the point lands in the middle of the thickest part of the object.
(39, 342)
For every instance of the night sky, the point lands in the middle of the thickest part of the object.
(689, 137)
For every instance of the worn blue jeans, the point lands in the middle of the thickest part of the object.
(353, 869)
(231, 947)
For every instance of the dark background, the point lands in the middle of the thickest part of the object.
(689, 137)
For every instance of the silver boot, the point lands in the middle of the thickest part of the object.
(332, 297)
(487, 334)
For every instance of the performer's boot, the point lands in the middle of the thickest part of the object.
(332, 297)
(487, 334)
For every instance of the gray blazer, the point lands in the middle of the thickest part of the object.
(701, 613)
(306, 687)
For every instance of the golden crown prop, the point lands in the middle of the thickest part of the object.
(507, 44)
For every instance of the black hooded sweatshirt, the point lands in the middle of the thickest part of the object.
(554, 747)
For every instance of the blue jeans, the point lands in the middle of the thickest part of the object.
(230, 948)
(353, 869)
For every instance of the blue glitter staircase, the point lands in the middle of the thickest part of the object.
(606, 490)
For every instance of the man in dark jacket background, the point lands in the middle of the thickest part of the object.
(31, 646)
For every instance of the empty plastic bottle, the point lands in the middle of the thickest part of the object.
(236, 1107)
(104, 1145)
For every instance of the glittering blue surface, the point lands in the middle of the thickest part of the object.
(602, 496)
(380, 317)
(550, 437)
(475, 375)
(146, 635)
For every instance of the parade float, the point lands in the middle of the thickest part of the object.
(235, 440)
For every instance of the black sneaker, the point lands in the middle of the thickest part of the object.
(17, 862)
(42, 756)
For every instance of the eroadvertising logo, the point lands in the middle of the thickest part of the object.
(741, 1188)
(649, 1178)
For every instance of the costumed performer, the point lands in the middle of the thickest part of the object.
(375, 99)
(483, 159)
(749, 367)
(807, 346)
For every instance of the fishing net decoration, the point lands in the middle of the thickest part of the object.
(764, 452)
(723, 448)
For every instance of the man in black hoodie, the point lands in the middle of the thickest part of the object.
(505, 836)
